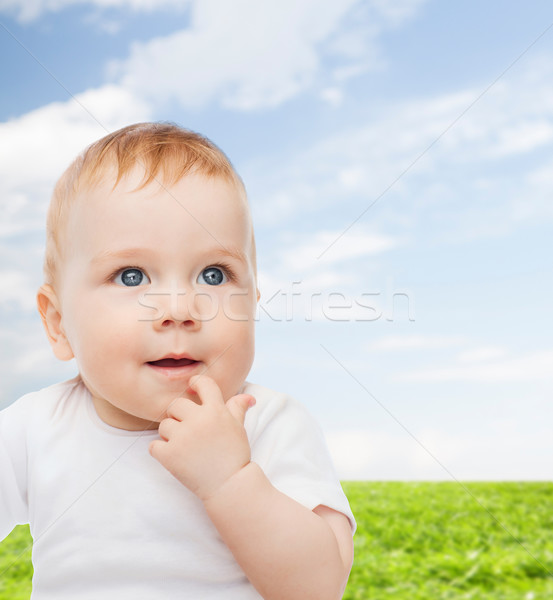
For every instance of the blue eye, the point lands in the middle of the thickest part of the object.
(131, 278)
(212, 276)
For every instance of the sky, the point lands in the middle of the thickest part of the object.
(398, 156)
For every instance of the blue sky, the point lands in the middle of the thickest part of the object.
(399, 161)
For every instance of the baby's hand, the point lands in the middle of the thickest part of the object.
(204, 444)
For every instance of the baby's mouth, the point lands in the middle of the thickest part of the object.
(172, 363)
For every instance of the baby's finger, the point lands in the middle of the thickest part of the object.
(206, 388)
(158, 449)
(239, 405)
(179, 408)
(167, 428)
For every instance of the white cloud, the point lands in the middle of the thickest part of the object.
(301, 287)
(352, 177)
(27, 362)
(505, 451)
(17, 291)
(357, 165)
(482, 354)
(433, 172)
(540, 184)
(542, 176)
(415, 342)
(523, 137)
(249, 55)
(246, 54)
(353, 452)
(322, 296)
(48, 137)
(37, 147)
(304, 252)
(283, 280)
(398, 11)
(514, 117)
(333, 96)
(29, 10)
(531, 367)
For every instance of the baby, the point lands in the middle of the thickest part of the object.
(159, 472)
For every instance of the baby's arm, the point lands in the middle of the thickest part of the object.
(286, 550)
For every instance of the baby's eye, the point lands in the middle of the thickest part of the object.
(212, 276)
(131, 277)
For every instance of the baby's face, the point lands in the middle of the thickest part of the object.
(158, 285)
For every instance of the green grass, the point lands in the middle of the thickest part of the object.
(439, 541)
(418, 541)
(16, 570)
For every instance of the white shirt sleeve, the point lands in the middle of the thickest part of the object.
(13, 470)
(289, 446)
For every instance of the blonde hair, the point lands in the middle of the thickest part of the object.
(164, 151)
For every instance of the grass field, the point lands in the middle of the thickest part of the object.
(439, 541)
(415, 541)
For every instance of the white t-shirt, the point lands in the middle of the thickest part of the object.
(108, 521)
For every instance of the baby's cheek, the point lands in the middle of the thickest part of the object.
(204, 305)
(239, 306)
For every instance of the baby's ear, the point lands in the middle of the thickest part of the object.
(48, 307)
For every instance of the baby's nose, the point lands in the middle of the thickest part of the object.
(176, 308)
(185, 308)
